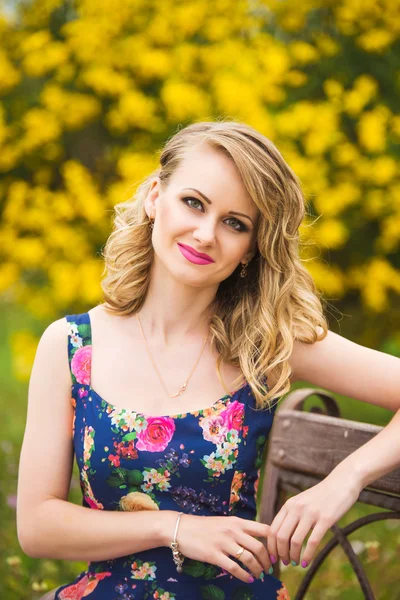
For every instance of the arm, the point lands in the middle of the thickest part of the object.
(48, 525)
(350, 369)
(65, 531)
(380, 455)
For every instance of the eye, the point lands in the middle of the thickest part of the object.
(195, 199)
(240, 226)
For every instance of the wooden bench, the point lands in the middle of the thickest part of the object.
(303, 448)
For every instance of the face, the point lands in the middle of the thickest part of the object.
(206, 209)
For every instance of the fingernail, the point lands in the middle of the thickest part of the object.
(250, 579)
(304, 564)
(272, 558)
(285, 562)
(270, 570)
(294, 563)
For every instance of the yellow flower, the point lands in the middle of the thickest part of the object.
(345, 153)
(371, 129)
(274, 60)
(331, 233)
(384, 170)
(184, 101)
(105, 81)
(40, 126)
(135, 165)
(326, 45)
(335, 200)
(292, 20)
(30, 252)
(137, 501)
(83, 190)
(375, 203)
(303, 52)
(9, 76)
(48, 58)
(328, 278)
(72, 109)
(9, 157)
(333, 89)
(35, 41)
(296, 78)
(365, 88)
(134, 109)
(389, 240)
(23, 347)
(9, 273)
(376, 40)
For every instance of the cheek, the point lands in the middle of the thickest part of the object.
(236, 248)
(172, 218)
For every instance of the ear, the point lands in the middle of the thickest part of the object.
(152, 197)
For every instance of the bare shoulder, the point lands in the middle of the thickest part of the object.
(100, 312)
(300, 353)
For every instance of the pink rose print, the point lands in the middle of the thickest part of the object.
(233, 415)
(80, 364)
(214, 429)
(157, 435)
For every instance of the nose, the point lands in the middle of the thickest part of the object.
(205, 232)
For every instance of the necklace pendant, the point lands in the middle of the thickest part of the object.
(181, 390)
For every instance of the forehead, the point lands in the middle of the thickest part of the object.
(214, 174)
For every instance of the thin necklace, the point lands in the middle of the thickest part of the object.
(183, 387)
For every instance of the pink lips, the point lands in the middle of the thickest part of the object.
(195, 257)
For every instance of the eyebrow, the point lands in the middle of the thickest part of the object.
(231, 212)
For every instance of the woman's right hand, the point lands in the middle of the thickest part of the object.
(216, 540)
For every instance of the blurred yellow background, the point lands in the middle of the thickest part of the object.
(90, 90)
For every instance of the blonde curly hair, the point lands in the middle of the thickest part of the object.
(256, 319)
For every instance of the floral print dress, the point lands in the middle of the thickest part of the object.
(202, 463)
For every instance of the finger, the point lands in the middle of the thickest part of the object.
(250, 561)
(254, 528)
(319, 530)
(298, 537)
(271, 538)
(257, 548)
(234, 568)
(284, 535)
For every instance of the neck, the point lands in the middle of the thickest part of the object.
(174, 312)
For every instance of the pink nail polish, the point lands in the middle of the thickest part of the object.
(250, 579)
(272, 558)
(304, 564)
(285, 562)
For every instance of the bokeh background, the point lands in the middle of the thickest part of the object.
(90, 90)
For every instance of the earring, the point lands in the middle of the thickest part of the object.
(243, 272)
(151, 223)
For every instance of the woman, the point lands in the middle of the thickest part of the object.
(205, 298)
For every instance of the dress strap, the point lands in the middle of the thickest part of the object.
(80, 348)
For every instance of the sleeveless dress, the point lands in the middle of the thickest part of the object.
(205, 462)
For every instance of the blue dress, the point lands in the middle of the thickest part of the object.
(204, 463)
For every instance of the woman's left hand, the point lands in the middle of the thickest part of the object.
(316, 509)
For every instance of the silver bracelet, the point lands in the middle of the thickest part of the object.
(176, 555)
